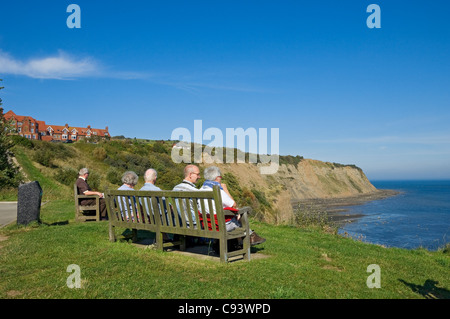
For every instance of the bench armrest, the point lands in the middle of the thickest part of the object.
(242, 211)
(86, 196)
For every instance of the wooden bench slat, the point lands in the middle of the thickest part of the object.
(183, 211)
(189, 212)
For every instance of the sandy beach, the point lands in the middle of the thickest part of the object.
(336, 208)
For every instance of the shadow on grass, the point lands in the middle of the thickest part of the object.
(60, 223)
(429, 289)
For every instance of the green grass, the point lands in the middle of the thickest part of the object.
(51, 188)
(301, 263)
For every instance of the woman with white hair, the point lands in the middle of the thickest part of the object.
(213, 177)
(129, 180)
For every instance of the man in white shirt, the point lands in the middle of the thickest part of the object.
(213, 177)
(191, 176)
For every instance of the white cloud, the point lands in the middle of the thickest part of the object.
(61, 66)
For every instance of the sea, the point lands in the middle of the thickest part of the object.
(418, 217)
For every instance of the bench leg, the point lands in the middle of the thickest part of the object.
(183, 243)
(159, 240)
(246, 247)
(112, 233)
(223, 245)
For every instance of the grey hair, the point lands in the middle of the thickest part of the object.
(83, 171)
(211, 173)
(130, 178)
(150, 175)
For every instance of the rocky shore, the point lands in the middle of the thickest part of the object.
(337, 208)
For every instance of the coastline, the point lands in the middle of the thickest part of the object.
(336, 208)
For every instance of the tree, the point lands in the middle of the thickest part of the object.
(9, 174)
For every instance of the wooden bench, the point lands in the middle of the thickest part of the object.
(79, 209)
(180, 213)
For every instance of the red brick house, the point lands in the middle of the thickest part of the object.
(30, 128)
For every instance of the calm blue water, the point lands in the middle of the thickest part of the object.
(418, 217)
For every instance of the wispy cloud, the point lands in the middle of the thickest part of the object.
(64, 66)
(61, 66)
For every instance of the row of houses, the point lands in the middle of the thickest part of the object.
(33, 129)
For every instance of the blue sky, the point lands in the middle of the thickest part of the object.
(337, 90)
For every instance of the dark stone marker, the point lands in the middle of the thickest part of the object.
(29, 203)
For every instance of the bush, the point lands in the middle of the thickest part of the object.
(22, 141)
(9, 173)
(446, 249)
(307, 216)
(66, 176)
(167, 179)
(43, 157)
(99, 154)
(94, 180)
(159, 148)
(114, 176)
(261, 198)
(46, 152)
(289, 159)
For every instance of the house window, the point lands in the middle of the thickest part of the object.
(64, 137)
(74, 137)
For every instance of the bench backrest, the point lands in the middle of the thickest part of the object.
(167, 210)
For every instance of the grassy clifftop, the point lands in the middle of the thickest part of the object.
(297, 263)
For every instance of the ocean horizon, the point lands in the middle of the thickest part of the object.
(418, 217)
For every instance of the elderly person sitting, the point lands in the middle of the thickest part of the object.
(150, 180)
(126, 203)
(150, 177)
(214, 177)
(129, 180)
(84, 189)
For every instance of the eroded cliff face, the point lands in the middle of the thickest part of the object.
(309, 179)
(316, 179)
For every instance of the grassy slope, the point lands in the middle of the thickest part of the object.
(302, 264)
